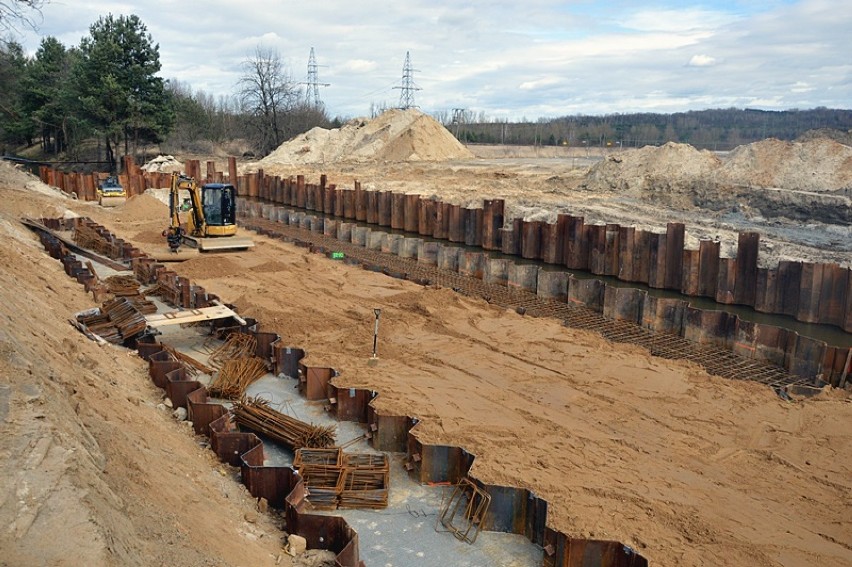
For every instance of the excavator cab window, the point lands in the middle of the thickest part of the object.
(218, 203)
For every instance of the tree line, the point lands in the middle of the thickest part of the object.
(103, 98)
(714, 129)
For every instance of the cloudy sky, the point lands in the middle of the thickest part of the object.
(509, 59)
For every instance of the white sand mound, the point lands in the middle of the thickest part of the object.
(163, 164)
(671, 168)
(394, 136)
(818, 165)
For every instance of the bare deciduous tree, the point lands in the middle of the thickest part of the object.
(268, 92)
(14, 12)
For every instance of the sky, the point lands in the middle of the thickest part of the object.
(509, 60)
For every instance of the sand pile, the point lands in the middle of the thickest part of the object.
(144, 207)
(653, 172)
(163, 164)
(841, 136)
(819, 165)
(394, 136)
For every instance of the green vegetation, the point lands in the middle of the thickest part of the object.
(105, 89)
(104, 98)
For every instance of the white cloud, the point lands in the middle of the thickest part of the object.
(539, 83)
(358, 66)
(679, 20)
(550, 57)
(702, 61)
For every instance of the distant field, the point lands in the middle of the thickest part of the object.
(492, 151)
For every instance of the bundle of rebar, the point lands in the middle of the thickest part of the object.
(364, 481)
(236, 375)
(331, 456)
(117, 321)
(372, 461)
(323, 484)
(128, 286)
(87, 237)
(193, 366)
(257, 415)
(237, 345)
(122, 285)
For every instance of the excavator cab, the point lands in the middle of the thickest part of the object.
(220, 212)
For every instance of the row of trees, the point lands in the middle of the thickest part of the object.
(716, 129)
(106, 93)
(105, 88)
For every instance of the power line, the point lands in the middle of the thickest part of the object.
(406, 96)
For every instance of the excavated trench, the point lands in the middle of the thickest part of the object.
(680, 303)
(511, 510)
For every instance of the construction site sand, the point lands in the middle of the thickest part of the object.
(686, 468)
(394, 136)
(805, 216)
(93, 472)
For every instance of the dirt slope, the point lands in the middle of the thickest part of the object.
(654, 174)
(93, 473)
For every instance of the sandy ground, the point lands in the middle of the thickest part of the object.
(687, 468)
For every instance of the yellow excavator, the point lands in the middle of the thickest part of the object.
(211, 224)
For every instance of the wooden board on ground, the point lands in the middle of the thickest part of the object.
(220, 243)
(189, 316)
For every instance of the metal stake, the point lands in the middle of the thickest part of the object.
(375, 359)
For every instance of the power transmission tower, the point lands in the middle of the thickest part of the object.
(312, 82)
(406, 96)
(458, 118)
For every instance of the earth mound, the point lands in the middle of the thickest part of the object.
(653, 172)
(840, 136)
(394, 136)
(163, 164)
(818, 165)
(144, 207)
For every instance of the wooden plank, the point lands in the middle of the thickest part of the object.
(158, 320)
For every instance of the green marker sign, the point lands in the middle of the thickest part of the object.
(337, 255)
